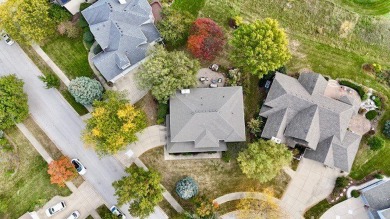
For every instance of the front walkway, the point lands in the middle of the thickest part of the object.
(352, 208)
(311, 183)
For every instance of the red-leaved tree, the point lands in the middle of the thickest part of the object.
(61, 170)
(206, 39)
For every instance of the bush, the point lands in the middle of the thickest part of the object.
(386, 129)
(234, 77)
(370, 115)
(85, 90)
(378, 176)
(68, 28)
(254, 126)
(51, 81)
(375, 143)
(355, 193)
(88, 36)
(354, 86)
(162, 112)
(377, 101)
(341, 182)
(186, 188)
(58, 13)
(82, 22)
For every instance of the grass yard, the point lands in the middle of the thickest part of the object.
(214, 176)
(368, 7)
(192, 6)
(46, 70)
(70, 55)
(27, 187)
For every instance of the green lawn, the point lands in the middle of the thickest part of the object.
(70, 55)
(28, 188)
(80, 109)
(368, 7)
(192, 6)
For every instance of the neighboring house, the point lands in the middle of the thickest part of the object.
(377, 199)
(298, 113)
(204, 119)
(124, 30)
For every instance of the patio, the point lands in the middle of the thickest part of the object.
(209, 77)
(335, 90)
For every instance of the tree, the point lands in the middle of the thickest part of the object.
(260, 47)
(166, 72)
(13, 101)
(174, 26)
(263, 160)
(58, 13)
(386, 129)
(250, 207)
(206, 39)
(186, 188)
(376, 143)
(50, 80)
(142, 187)
(61, 170)
(85, 90)
(68, 28)
(114, 124)
(254, 126)
(27, 21)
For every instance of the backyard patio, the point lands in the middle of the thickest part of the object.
(206, 77)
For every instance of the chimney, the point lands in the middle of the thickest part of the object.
(122, 2)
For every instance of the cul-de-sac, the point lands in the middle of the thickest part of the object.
(194, 109)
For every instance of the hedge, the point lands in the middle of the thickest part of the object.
(354, 86)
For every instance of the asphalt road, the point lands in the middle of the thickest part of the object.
(62, 124)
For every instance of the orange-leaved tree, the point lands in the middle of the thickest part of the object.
(61, 170)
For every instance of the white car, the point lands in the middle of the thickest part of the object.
(8, 39)
(55, 209)
(115, 210)
(74, 215)
(81, 169)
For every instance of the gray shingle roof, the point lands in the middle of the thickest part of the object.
(378, 198)
(314, 120)
(205, 119)
(123, 31)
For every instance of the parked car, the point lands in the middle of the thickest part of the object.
(8, 39)
(74, 215)
(115, 210)
(81, 169)
(55, 209)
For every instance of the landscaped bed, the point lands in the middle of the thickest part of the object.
(27, 187)
(214, 176)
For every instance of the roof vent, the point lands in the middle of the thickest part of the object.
(185, 91)
(122, 2)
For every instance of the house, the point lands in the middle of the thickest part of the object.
(204, 119)
(376, 198)
(73, 6)
(124, 29)
(298, 113)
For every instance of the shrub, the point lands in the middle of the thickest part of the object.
(162, 112)
(88, 36)
(341, 182)
(375, 143)
(204, 207)
(186, 188)
(69, 29)
(355, 193)
(51, 81)
(378, 176)
(206, 39)
(386, 129)
(254, 126)
(354, 86)
(58, 13)
(234, 77)
(82, 22)
(85, 90)
(377, 101)
(370, 115)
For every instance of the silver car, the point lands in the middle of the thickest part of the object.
(55, 209)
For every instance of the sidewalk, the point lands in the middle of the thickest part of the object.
(51, 64)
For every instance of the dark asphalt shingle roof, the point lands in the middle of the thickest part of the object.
(206, 118)
(123, 31)
(314, 120)
(378, 198)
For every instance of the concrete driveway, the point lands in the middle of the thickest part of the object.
(84, 199)
(311, 183)
(352, 208)
(62, 124)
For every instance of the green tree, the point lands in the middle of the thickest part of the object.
(85, 90)
(167, 72)
(141, 186)
(27, 21)
(376, 143)
(13, 101)
(114, 124)
(263, 160)
(174, 26)
(260, 47)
